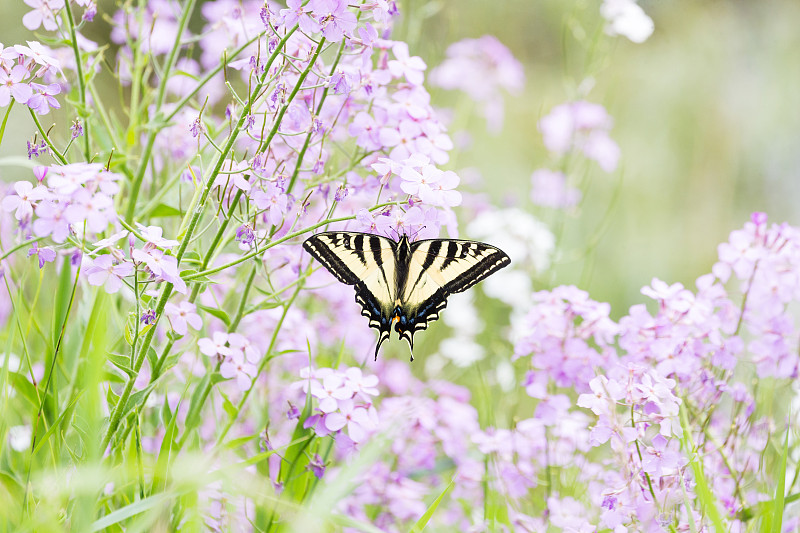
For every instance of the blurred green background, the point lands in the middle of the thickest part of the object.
(707, 115)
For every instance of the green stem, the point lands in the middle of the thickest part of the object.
(302, 153)
(53, 150)
(81, 81)
(206, 383)
(283, 239)
(265, 144)
(186, 13)
(263, 364)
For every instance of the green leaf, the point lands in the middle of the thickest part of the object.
(163, 211)
(56, 424)
(778, 503)
(704, 494)
(122, 362)
(219, 313)
(426, 516)
(21, 384)
(128, 511)
(161, 472)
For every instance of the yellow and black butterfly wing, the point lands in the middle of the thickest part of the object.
(366, 261)
(436, 269)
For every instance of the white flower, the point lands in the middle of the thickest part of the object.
(625, 17)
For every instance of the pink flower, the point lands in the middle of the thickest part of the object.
(183, 315)
(405, 65)
(24, 201)
(104, 272)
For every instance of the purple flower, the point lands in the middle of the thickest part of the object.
(273, 201)
(370, 223)
(196, 127)
(35, 150)
(43, 14)
(235, 366)
(183, 315)
(76, 128)
(297, 13)
(51, 221)
(154, 236)
(334, 18)
(162, 266)
(96, 210)
(355, 417)
(46, 255)
(90, 12)
(583, 126)
(148, 317)
(103, 271)
(550, 189)
(11, 86)
(340, 83)
(23, 202)
(245, 234)
(317, 466)
(341, 194)
(43, 98)
(404, 65)
(217, 346)
(293, 413)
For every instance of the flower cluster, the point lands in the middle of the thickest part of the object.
(342, 401)
(581, 126)
(481, 68)
(236, 356)
(20, 65)
(77, 200)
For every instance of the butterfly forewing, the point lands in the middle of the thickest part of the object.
(366, 261)
(438, 268)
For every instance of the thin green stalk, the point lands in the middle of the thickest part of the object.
(267, 356)
(195, 409)
(20, 246)
(265, 144)
(58, 155)
(81, 81)
(302, 153)
(283, 239)
(186, 13)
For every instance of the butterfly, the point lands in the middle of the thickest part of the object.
(400, 283)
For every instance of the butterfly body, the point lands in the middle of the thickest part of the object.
(403, 284)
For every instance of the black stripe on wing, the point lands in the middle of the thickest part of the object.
(346, 254)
